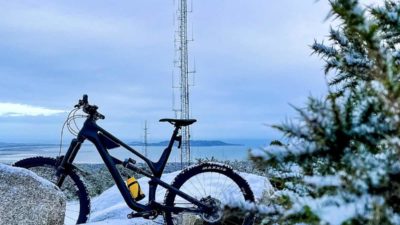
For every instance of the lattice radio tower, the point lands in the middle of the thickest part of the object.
(181, 62)
(145, 141)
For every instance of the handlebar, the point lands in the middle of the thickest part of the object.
(89, 109)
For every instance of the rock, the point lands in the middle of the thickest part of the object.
(27, 199)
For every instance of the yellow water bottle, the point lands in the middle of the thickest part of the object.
(134, 188)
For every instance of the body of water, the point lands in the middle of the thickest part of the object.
(88, 153)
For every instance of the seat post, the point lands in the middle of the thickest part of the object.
(160, 165)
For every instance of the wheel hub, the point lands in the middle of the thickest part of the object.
(216, 213)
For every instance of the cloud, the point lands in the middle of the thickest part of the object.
(15, 109)
(252, 58)
(66, 28)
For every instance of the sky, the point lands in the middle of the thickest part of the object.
(252, 60)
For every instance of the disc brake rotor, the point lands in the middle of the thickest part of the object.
(217, 213)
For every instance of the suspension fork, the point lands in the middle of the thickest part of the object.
(67, 160)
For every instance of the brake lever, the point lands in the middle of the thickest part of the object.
(100, 116)
(81, 102)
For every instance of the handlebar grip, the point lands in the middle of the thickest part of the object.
(101, 116)
(85, 99)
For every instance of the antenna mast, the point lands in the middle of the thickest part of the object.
(145, 138)
(181, 62)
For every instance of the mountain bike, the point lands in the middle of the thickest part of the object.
(200, 194)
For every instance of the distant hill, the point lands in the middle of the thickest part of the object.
(194, 143)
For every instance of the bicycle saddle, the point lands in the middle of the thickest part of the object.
(179, 122)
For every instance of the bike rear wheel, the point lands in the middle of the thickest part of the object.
(78, 201)
(216, 185)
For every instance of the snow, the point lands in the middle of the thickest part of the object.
(110, 208)
(333, 210)
(355, 59)
(257, 208)
(321, 48)
(321, 181)
(393, 16)
(339, 37)
(280, 153)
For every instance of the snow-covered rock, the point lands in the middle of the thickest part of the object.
(27, 199)
(110, 207)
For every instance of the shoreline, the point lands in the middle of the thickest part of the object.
(98, 179)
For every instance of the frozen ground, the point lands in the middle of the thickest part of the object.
(110, 208)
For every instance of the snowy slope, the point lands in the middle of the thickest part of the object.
(110, 208)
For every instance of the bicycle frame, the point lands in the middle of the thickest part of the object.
(102, 139)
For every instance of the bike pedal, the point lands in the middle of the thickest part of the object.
(147, 214)
(132, 215)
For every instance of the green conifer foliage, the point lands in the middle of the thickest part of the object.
(340, 163)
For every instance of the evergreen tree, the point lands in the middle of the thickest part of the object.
(341, 160)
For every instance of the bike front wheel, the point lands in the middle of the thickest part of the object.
(78, 201)
(215, 185)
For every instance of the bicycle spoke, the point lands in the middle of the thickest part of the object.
(201, 183)
(223, 185)
(211, 188)
(194, 186)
